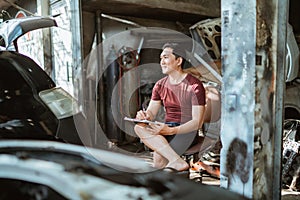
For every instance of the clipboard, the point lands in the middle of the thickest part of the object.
(138, 120)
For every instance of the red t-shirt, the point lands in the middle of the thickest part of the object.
(178, 99)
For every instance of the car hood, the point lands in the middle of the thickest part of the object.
(115, 160)
(77, 172)
(74, 172)
(12, 29)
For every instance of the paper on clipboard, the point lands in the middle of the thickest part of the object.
(138, 120)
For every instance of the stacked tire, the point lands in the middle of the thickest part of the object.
(291, 155)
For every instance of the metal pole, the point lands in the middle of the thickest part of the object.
(43, 10)
(252, 109)
(76, 29)
(100, 94)
(77, 50)
(238, 95)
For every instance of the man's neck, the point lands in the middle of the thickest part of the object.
(176, 77)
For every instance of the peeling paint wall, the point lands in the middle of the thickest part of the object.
(31, 45)
(62, 45)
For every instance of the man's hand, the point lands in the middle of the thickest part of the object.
(142, 115)
(158, 128)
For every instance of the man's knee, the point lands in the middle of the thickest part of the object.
(137, 129)
(141, 132)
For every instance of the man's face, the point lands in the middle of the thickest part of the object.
(168, 61)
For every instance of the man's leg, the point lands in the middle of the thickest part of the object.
(182, 142)
(159, 144)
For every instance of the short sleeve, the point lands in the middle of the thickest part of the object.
(199, 94)
(155, 92)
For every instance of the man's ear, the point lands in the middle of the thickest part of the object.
(179, 60)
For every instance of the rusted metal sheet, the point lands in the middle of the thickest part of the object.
(238, 94)
(270, 73)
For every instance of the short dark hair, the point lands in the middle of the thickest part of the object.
(178, 51)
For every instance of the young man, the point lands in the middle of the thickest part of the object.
(183, 97)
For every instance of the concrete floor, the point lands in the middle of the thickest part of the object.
(208, 180)
(285, 194)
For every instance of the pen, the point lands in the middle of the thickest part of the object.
(144, 111)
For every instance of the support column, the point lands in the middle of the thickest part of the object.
(253, 55)
(238, 95)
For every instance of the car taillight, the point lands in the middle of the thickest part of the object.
(61, 103)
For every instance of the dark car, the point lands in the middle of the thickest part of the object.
(30, 102)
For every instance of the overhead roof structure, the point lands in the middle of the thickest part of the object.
(187, 11)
